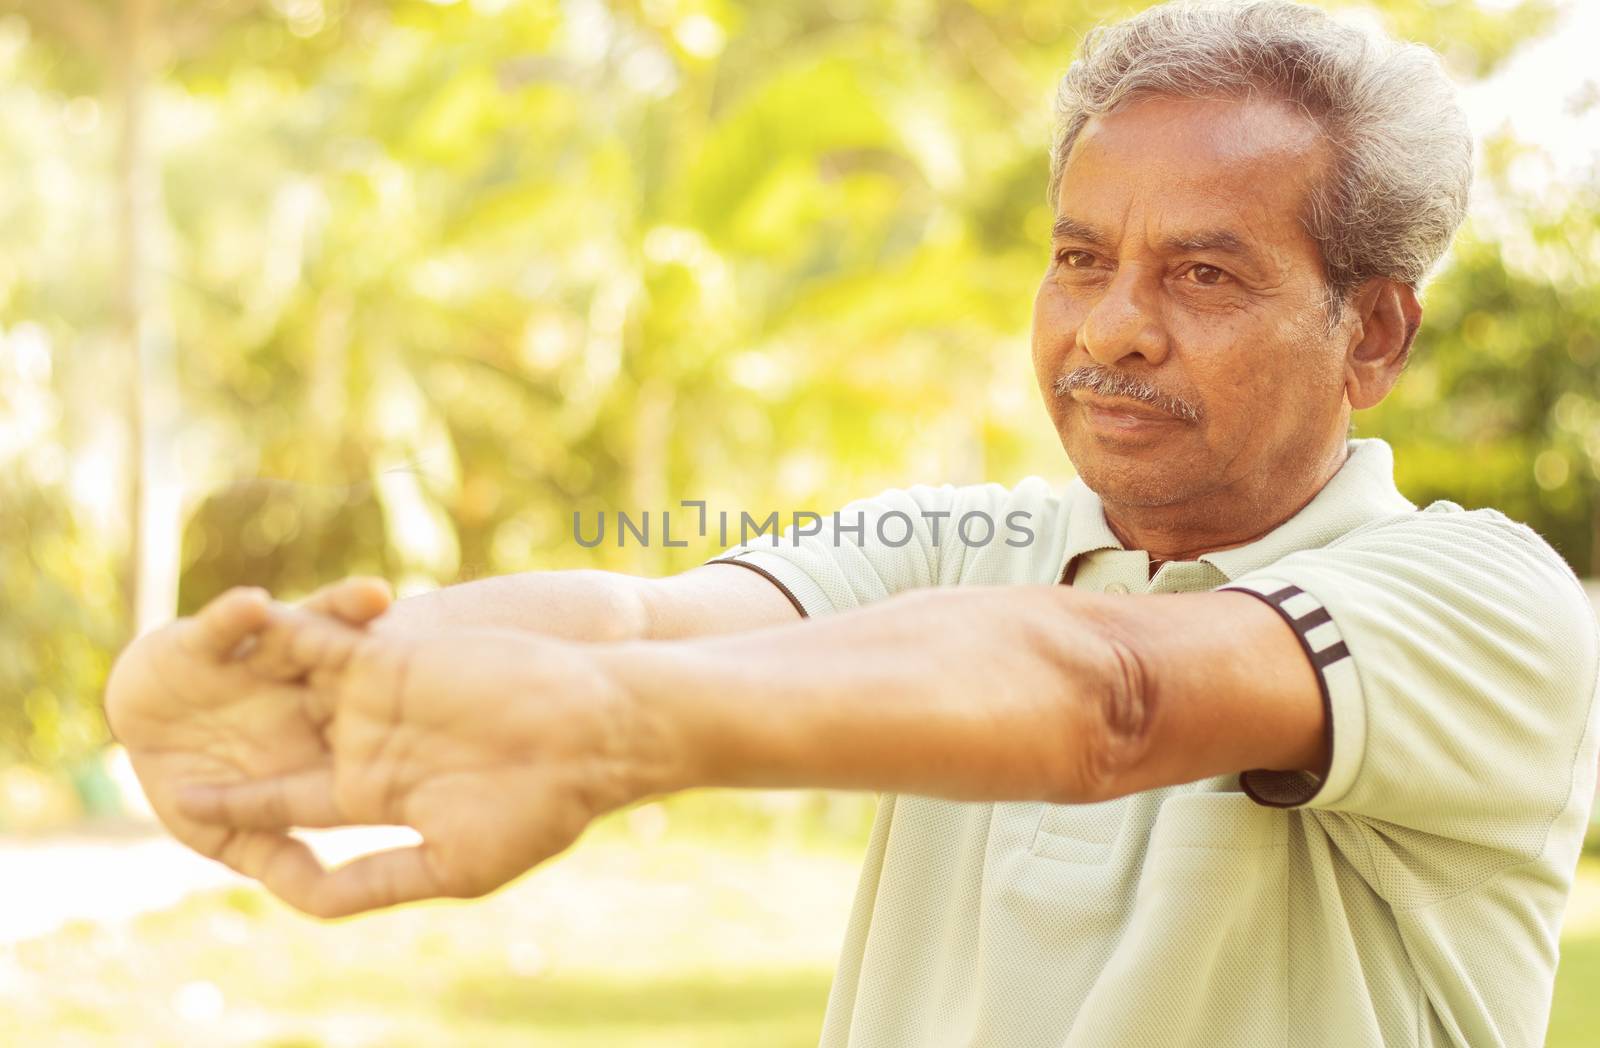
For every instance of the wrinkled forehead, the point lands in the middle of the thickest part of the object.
(1224, 163)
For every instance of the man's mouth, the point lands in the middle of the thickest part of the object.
(1120, 412)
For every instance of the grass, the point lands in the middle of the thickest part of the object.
(1575, 1019)
(414, 1001)
(639, 937)
(717, 934)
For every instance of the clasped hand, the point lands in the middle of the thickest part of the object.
(252, 717)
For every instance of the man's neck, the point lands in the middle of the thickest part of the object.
(1225, 519)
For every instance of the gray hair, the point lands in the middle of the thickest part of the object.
(1402, 152)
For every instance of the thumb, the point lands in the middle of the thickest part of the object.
(355, 601)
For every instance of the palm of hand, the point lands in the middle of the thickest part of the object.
(188, 715)
(489, 744)
(497, 747)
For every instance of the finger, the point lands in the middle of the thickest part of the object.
(300, 799)
(269, 653)
(297, 642)
(300, 644)
(285, 866)
(373, 882)
(286, 651)
(355, 601)
(317, 642)
(219, 627)
(322, 647)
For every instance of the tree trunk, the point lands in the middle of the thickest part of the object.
(150, 574)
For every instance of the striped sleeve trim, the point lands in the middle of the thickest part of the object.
(1343, 723)
(770, 577)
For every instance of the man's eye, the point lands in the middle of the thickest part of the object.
(1075, 259)
(1207, 275)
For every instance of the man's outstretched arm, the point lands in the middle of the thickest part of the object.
(189, 713)
(512, 742)
(1006, 693)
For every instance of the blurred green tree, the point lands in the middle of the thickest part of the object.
(1501, 404)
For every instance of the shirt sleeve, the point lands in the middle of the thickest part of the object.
(1457, 656)
(873, 548)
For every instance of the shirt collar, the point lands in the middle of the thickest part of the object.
(1087, 530)
(1362, 490)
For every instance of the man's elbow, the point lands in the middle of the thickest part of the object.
(1110, 717)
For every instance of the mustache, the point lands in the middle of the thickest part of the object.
(1104, 382)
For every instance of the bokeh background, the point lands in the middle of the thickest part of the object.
(291, 289)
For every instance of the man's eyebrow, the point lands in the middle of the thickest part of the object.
(1223, 240)
(1071, 229)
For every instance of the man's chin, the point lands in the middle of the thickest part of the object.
(1145, 491)
(1136, 477)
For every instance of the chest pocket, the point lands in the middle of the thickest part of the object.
(1085, 834)
(1093, 834)
(1213, 885)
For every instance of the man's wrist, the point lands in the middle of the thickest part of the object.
(662, 739)
(694, 719)
(583, 605)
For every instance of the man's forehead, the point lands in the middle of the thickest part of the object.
(1200, 169)
(1215, 132)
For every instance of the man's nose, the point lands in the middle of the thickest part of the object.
(1125, 321)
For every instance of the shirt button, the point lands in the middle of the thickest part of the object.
(1116, 587)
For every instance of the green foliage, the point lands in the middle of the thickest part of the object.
(59, 611)
(1501, 403)
(60, 618)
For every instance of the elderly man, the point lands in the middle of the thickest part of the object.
(1226, 743)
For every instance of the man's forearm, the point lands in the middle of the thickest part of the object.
(601, 606)
(573, 605)
(1000, 694)
(1016, 693)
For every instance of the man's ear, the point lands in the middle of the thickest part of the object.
(1387, 317)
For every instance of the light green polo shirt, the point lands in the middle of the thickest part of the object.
(1412, 898)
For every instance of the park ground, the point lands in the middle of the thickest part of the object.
(695, 923)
